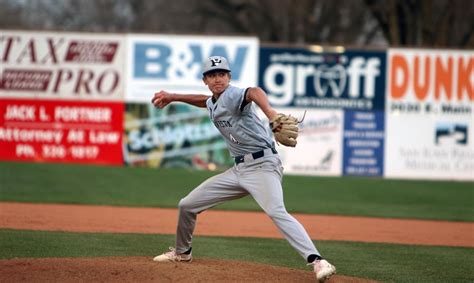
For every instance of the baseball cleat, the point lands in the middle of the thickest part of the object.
(172, 256)
(323, 270)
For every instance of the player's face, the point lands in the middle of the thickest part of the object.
(217, 82)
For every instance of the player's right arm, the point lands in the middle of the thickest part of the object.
(163, 98)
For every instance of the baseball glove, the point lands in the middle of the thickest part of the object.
(285, 129)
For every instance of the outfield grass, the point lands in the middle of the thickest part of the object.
(385, 262)
(144, 187)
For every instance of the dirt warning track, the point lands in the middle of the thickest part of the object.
(87, 218)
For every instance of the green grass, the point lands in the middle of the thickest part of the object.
(122, 186)
(385, 262)
(100, 185)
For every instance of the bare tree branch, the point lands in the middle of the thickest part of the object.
(443, 23)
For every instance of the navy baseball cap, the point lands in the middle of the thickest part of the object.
(215, 63)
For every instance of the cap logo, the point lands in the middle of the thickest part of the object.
(215, 62)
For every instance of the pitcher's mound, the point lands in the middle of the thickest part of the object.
(143, 269)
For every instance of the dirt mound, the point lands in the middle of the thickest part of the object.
(142, 269)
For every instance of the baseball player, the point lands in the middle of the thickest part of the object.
(257, 171)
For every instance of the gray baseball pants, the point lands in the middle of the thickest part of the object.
(260, 178)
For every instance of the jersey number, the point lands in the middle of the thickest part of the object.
(233, 139)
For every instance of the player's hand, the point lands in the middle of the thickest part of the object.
(161, 99)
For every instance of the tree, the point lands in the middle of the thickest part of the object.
(294, 21)
(425, 23)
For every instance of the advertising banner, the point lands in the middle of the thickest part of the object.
(349, 85)
(179, 135)
(363, 143)
(174, 63)
(61, 131)
(319, 148)
(430, 103)
(349, 80)
(62, 66)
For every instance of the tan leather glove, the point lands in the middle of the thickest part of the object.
(285, 129)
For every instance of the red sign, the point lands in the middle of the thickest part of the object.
(61, 131)
(91, 51)
(31, 80)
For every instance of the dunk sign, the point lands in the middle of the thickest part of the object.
(430, 114)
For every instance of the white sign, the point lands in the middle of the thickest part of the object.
(66, 66)
(174, 63)
(319, 148)
(430, 114)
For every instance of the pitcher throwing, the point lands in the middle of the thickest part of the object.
(257, 171)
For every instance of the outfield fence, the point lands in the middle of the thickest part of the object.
(85, 98)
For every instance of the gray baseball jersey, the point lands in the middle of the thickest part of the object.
(258, 171)
(238, 122)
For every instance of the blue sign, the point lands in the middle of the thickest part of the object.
(302, 78)
(363, 143)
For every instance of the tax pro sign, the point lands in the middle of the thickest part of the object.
(430, 114)
(69, 66)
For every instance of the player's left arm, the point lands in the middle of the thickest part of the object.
(284, 127)
(260, 98)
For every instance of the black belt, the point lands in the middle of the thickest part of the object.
(255, 155)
